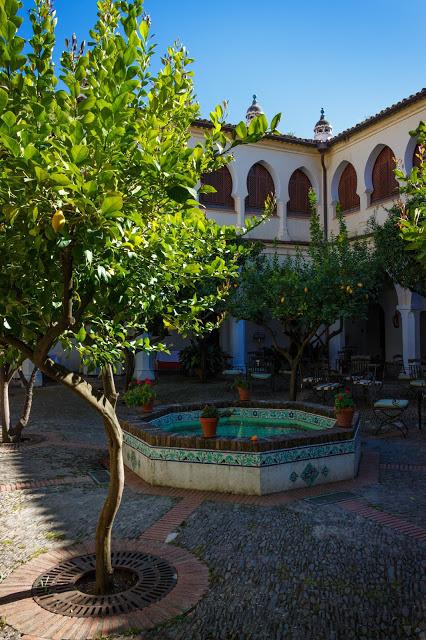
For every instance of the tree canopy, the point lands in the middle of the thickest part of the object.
(334, 279)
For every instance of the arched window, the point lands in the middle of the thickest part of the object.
(348, 197)
(298, 190)
(221, 180)
(259, 186)
(416, 156)
(385, 184)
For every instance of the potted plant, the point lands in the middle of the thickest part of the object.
(141, 394)
(208, 419)
(344, 408)
(242, 385)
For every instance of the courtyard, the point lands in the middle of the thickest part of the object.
(280, 566)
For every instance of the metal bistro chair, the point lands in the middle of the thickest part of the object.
(326, 386)
(368, 382)
(390, 411)
(261, 368)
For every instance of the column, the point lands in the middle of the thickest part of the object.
(144, 364)
(410, 325)
(238, 343)
(240, 210)
(282, 225)
(336, 344)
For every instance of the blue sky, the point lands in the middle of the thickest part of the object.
(353, 57)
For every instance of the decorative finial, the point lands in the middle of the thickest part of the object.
(254, 110)
(323, 131)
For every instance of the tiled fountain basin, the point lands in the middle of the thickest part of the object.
(321, 453)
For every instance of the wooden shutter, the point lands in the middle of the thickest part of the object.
(348, 198)
(221, 180)
(416, 156)
(259, 186)
(298, 190)
(384, 181)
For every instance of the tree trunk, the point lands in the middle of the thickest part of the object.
(4, 405)
(16, 431)
(130, 367)
(293, 380)
(104, 569)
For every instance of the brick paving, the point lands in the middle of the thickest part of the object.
(279, 567)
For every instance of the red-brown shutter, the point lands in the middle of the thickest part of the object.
(298, 190)
(259, 186)
(221, 180)
(384, 181)
(416, 156)
(348, 197)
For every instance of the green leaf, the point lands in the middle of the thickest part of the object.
(81, 335)
(275, 121)
(112, 204)
(10, 144)
(9, 119)
(144, 29)
(241, 130)
(3, 99)
(79, 153)
(181, 194)
(60, 178)
(41, 174)
(258, 125)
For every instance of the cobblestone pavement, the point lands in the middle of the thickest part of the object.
(300, 571)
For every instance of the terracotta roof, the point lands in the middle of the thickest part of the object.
(415, 97)
(398, 106)
(206, 124)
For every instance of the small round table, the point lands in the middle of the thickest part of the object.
(420, 386)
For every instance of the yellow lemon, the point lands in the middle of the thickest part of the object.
(306, 289)
(360, 285)
(282, 300)
(58, 221)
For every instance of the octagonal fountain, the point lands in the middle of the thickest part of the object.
(295, 445)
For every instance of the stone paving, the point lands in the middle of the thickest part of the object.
(291, 571)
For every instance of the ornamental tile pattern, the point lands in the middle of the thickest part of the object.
(309, 474)
(237, 458)
(311, 420)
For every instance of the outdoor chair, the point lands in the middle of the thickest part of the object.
(261, 368)
(390, 411)
(368, 382)
(326, 386)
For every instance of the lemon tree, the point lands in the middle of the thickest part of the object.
(306, 293)
(100, 227)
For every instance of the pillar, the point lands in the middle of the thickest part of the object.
(410, 325)
(282, 224)
(144, 364)
(336, 344)
(240, 210)
(238, 343)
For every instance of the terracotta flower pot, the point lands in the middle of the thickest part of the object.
(243, 393)
(344, 417)
(209, 426)
(148, 406)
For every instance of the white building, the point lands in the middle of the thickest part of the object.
(354, 168)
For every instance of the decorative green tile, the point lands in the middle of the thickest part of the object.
(309, 474)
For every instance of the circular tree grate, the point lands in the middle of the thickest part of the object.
(56, 590)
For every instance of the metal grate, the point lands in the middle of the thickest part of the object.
(56, 591)
(331, 498)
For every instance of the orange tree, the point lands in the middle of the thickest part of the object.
(100, 229)
(296, 298)
(412, 221)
